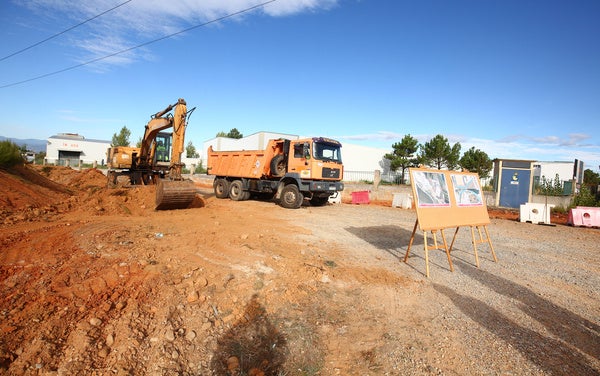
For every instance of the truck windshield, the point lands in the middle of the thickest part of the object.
(327, 152)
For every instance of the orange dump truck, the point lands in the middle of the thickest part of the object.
(287, 170)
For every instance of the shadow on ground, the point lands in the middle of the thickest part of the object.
(253, 346)
(559, 353)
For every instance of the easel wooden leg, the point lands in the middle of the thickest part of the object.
(412, 238)
(426, 253)
(435, 246)
(447, 250)
(487, 234)
(475, 245)
(453, 239)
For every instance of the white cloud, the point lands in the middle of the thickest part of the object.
(571, 139)
(510, 147)
(377, 136)
(139, 22)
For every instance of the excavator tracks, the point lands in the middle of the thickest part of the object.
(174, 194)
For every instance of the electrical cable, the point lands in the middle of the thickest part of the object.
(139, 45)
(64, 31)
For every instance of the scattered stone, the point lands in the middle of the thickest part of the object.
(255, 372)
(169, 335)
(190, 335)
(233, 364)
(193, 297)
(103, 352)
(201, 282)
(94, 321)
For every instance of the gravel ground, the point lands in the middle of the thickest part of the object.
(536, 311)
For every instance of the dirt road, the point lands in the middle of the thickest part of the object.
(95, 282)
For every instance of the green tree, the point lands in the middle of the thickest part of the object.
(478, 161)
(121, 139)
(233, 133)
(591, 178)
(404, 155)
(438, 153)
(39, 157)
(585, 198)
(10, 154)
(549, 187)
(190, 151)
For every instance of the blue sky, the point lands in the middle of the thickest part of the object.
(516, 79)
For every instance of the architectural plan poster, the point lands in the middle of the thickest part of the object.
(432, 189)
(446, 199)
(466, 190)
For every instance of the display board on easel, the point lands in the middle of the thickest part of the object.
(445, 199)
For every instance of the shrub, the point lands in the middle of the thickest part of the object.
(10, 154)
(585, 198)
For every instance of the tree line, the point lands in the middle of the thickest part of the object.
(437, 153)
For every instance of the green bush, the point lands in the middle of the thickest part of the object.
(585, 198)
(199, 170)
(10, 154)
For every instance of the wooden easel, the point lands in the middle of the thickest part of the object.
(443, 246)
(476, 241)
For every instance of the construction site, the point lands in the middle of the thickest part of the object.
(95, 281)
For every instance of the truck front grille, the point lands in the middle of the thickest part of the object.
(331, 173)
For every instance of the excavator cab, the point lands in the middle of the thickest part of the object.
(162, 145)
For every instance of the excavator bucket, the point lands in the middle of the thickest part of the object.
(174, 194)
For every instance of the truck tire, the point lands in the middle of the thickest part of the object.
(221, 187)
(277, 166)
(291, 197)
(236, 191)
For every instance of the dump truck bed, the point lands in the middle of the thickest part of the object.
(240, 163)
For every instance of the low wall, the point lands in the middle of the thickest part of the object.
(557, 201)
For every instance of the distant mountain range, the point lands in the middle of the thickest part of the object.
(32, 143)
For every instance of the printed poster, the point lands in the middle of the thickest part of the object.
(467, 191)
(432, 189)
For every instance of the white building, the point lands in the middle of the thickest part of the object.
(567, 172)
(256, 141)
(360, 162)
(75, 148)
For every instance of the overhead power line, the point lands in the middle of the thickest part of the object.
(139, 45)
(64, 31)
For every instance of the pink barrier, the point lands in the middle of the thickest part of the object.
(584, 216)
(360, 197)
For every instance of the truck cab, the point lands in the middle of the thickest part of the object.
(316, 158)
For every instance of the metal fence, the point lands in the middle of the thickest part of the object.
(369, 176)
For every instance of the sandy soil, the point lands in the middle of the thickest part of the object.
(93, 281)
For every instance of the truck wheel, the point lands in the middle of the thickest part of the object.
(221, 187)
(278, 165)
(291, 197)
(236, 191)
(319, 200)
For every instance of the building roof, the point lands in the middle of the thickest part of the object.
(77, 137)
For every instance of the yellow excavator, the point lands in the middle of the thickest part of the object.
(158, 159)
